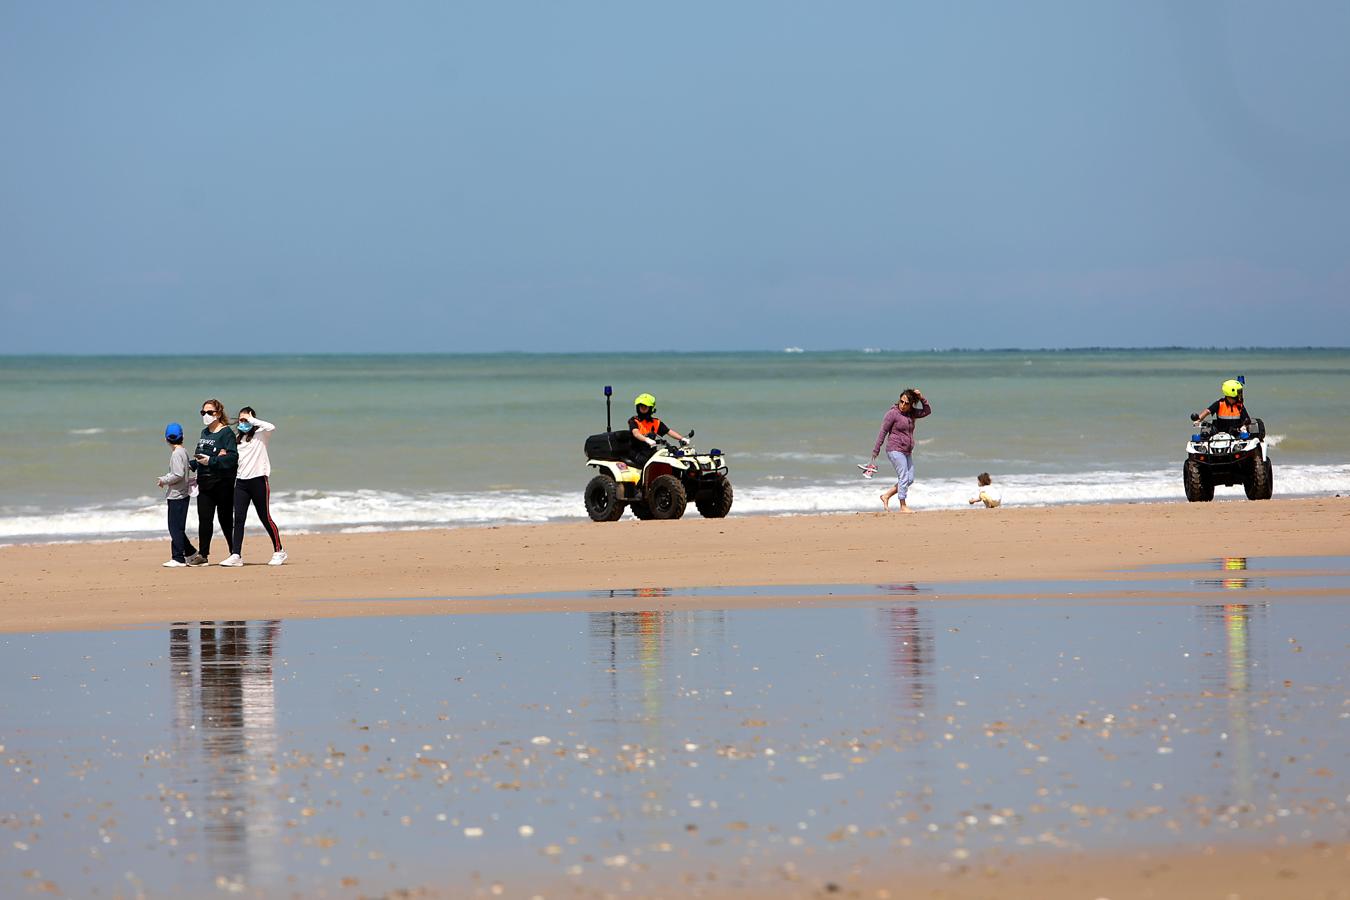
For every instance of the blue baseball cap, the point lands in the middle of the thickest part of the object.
(173, 430)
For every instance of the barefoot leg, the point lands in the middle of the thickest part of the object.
(886, 499)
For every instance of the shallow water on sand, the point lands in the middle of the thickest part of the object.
(704, 748)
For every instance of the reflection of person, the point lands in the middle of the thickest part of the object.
(1229, 412)
(178, 493)
(253, 484)
(989, 495)
(225, 735)
(645, 427)
(897, 433)
(216, 459)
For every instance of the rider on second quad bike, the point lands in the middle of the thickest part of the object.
(1229, 412)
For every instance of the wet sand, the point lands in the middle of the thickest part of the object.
(899, 748)
(103, 585)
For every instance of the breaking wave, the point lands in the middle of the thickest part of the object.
(372, 510)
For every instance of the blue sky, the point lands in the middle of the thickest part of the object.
(697, 176)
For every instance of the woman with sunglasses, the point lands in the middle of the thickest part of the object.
(215, 462)
(253, 485)
(897, 434)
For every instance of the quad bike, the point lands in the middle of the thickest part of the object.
(1214, 456)
(655, 486)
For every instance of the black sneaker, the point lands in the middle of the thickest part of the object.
(196, 559)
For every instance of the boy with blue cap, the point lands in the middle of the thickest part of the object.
(178, 490)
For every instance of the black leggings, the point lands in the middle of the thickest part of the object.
(259, 491)
(215, 497)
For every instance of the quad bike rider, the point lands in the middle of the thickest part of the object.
(645, 470)
(1232, 450)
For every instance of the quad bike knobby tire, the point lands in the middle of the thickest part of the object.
(1198, 487)
(1260, 483)
(714, 500)
(665, 497)
(602, 499)
(640, 510)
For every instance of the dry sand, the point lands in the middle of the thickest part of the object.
(103, 585)
(1318, 871)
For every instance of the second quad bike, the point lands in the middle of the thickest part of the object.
(1215, 456)
(654, 484)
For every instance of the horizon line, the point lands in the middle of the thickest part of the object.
(788, 351)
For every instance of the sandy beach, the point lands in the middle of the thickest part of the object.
(104, 585)
(1158, 738)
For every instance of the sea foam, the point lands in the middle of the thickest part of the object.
(372, 510)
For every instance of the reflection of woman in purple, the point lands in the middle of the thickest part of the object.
(897, 433)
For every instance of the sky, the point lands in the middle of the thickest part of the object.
(542, 176)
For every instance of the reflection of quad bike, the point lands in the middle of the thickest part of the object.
(1214, 456)
(655, 486)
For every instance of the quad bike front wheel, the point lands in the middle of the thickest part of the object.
(665, 497)
(602, 499)
(714, 500)
(1260, 481)
(1198, 486)
(640, 510)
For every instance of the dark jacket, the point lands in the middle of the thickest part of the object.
(220, 468)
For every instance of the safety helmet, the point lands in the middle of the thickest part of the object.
(646, 400)
(1232, 388)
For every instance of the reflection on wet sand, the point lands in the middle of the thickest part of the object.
(912, 646)
(1231, 582)
(225, 734)
(1230, 624)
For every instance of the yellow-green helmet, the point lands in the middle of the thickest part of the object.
(646, 400)
(1232, 388)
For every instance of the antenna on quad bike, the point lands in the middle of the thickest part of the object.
(609, 391)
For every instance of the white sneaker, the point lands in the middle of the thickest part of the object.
(234, 559)
(277, 558)
(175, 564)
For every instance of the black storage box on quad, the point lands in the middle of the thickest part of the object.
(611, 445)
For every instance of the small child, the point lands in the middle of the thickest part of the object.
(178, 490)
(989, 495)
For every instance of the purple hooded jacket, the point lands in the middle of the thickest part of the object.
(900, 428)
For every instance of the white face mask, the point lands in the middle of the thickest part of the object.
(208, 420)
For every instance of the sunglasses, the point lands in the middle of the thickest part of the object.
(207, 412)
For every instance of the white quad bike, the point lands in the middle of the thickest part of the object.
(1213, 456)
(658, 486)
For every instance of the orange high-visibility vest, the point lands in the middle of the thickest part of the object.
(1229, 409)
(649, 428)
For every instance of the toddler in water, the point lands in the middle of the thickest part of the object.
(988, 495)
(177, 484)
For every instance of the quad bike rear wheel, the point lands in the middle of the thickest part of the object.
(714, 500)
(1198, 486)
(1260, 481)
(665, 497)
(640, 510)
(602, 499)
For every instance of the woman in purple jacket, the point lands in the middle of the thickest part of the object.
(897, 433)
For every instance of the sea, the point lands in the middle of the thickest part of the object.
(381, 443)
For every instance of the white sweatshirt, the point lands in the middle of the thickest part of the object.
(253, 459)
